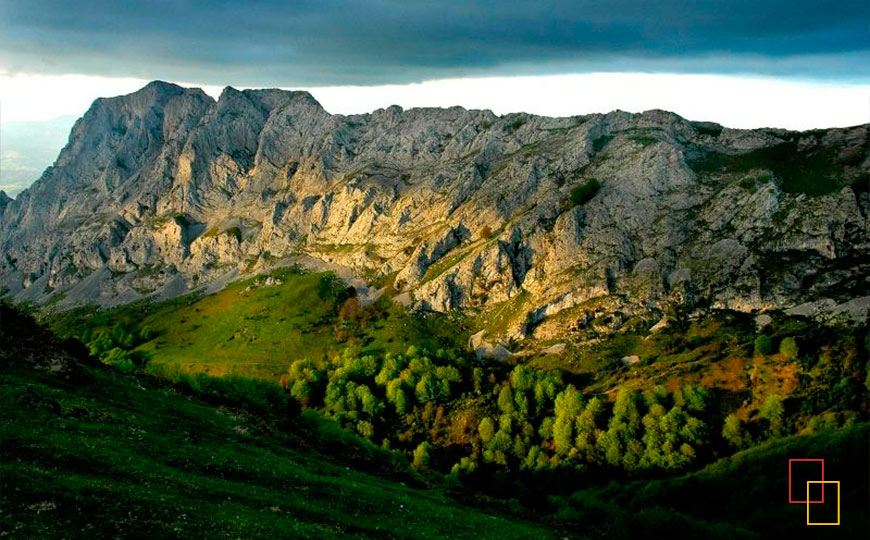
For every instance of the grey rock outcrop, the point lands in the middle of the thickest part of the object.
(168, 190)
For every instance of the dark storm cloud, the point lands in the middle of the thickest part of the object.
(332, 42)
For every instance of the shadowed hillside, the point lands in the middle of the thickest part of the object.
(90, 450)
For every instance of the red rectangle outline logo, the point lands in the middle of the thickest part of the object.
(789, 482)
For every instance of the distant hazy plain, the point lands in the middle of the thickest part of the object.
(27, 148)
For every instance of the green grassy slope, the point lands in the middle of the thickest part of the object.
(94, 453)
(254, 330)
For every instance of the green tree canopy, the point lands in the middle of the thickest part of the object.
(763, 345)
(421, 456)
(788, 348)
(486, 428)
(734, 432)
(773, 411)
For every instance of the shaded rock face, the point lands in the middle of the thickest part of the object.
(165, 189)
(4, 201)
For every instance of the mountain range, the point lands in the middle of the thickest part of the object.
(557, 225)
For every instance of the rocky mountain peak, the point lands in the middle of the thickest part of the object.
(153, 97)
(157, 90)
(268, 99)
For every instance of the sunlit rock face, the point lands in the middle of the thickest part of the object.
(165, 190)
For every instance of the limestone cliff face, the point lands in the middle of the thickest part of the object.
(165, 190)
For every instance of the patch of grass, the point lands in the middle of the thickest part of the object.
(255, 331)
(514, 124)
(454, 257)
(531, 148)
(708, 129)
(232, 231)
(584, 192)
(748, 183)
(335, 248)
(644, 140)
(181, 218)
(599, 143)
(55, 299)
(812, 171)
(645, 136)
(499, 318)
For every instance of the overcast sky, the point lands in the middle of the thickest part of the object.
(743, 63)
(329, 42)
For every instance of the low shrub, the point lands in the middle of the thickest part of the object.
(585, 192)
